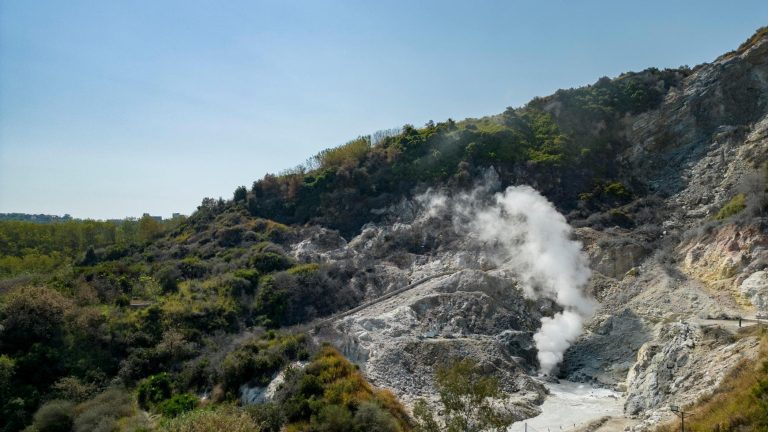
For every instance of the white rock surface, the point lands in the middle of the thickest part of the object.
(755, 288)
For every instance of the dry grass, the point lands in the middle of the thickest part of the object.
(739, 403)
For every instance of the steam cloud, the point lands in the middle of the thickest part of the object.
(533, 240)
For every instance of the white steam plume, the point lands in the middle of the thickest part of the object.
(534, 241)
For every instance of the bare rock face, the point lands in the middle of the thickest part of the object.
(682, 364)
(613, 253)
(755, 288)
(400, 342)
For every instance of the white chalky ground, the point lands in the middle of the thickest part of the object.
(572, 404)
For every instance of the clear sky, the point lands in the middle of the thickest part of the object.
(116, 108)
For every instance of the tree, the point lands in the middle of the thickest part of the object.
(31, 315)
(241, 193)
(149, 228)
(90, 257)
(468, 394)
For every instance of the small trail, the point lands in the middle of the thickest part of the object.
(325, 321)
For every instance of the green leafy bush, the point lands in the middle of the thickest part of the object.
(258, 360)
(269, 262)
(177, 405)
(153, 390)
(733, 207)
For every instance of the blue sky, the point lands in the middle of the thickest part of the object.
(115, 108)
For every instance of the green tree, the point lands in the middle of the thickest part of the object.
(149, 228)
(241, 193)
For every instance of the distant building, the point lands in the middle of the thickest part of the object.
(157, 218)
(176, 215)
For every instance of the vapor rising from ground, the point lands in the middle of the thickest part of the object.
(527, 236)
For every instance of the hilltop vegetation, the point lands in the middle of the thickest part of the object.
(564, 145)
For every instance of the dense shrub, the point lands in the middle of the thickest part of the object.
(331, 395)
(30, 315)
(177, 405)
(102, 413)
(259, 359)
(268, 416)
(153, 390)
(168, 277)
(269, 262)
(192, 268)
(467, 394)
(55, 416)
(223, 419)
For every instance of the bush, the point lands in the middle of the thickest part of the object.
(370, 417)
(54, 416)
(618, 190)
(74, 390)
(270, 303)
(154, 390)
(733, 207)
(467, 394)
(102, 413)
(269, 262)
(168, 277)
(177, 405)
(268, 417)
(192, 268)
(32, 315)
(224, 419)
(332, 395)
(333, 418)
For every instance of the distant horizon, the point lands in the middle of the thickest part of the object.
(110, 109)
(68, 215)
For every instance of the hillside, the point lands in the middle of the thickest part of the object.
(601, 235)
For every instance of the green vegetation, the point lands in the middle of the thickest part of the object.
(28, 248)
(560, 144)
(223, 419)
(733, 207)
(467, 396)
(331, 395)
(348, 154)
(156, 310)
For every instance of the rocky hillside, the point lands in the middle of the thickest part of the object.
(606, 235)
(673, 223)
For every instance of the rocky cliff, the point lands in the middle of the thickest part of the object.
(662, 281)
